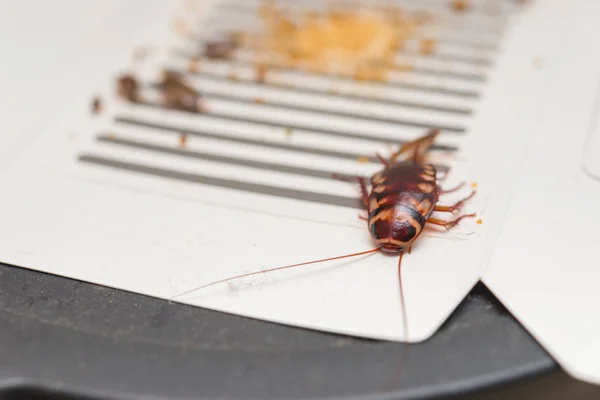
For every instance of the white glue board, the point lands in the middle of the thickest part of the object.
(112, 200)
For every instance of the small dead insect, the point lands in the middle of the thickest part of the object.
(177, 94)
(96, 105)
(127, 88)
(402, 199)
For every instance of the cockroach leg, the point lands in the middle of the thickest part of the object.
(363, 188)
(362, 217)
(454, 207)
(454, 189)
(417, 148)
(382, 160)
(345, 178)
(449, 224)
(361, 181)
(443, 177)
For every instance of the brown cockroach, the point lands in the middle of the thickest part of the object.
(402, 198)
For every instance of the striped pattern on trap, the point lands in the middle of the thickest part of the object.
(285, 133)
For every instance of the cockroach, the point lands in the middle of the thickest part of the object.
(177, 94)
(402, 198)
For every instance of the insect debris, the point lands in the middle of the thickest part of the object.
(177, 94)
(96, 105)
(402, 198)
(127, 88)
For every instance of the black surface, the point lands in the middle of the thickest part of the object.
(61, 335)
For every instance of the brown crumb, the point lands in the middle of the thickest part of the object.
(460, 5)
(194, 65)
(112, 136)
(182, 140)
(479, 222)
(428, 46)
(127, 88)
(474, 185)
(261, 73)
(331, 91)
(289, 131)
(96, 105)
(178, 94)
(363, 159)
(258, 100)
(538, 62)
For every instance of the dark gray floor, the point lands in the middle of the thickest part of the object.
(61, 335)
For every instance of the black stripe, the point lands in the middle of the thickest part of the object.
(315, 110)
(326, 92)
(441, 73)
(272, 145)
(328, 199)
(387, 84)
(199, 155)
(477, 61)
(322, 131)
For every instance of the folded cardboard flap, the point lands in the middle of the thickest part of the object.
(545, 266)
